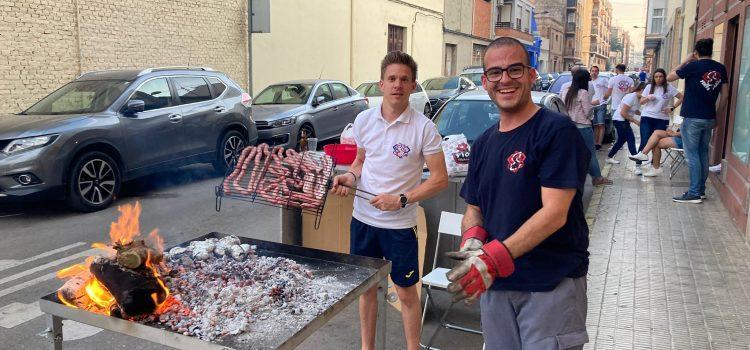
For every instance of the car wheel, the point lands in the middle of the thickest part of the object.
(230, 147)
(308, 129)
(94, 182)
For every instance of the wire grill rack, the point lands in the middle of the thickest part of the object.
(279, 178)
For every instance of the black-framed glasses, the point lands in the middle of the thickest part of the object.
(515, 71)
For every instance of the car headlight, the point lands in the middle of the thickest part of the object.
(283, 122)
(28, 143)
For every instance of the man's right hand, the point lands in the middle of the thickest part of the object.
(339, 183)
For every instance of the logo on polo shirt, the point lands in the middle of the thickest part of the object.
(516, 161)
(710, 80)
(401, 150)
(461, 156)
(624, 86)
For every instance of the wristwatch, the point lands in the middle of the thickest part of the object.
(403, 200)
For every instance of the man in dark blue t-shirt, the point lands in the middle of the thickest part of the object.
(642, 75)
(525, 241)
(705, 80)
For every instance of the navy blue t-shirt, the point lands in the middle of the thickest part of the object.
(703, 79)
(507, 171)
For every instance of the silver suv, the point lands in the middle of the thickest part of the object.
(84, 139)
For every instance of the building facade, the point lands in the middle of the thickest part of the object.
(550, 19)
(45, 44)
(573, 33)
(728, 23)
(598, 42)
(467, 31)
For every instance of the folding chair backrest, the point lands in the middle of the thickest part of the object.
(450, 224)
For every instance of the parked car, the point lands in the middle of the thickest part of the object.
(87, 137)
(473, 73)
(442, 89)
(418, 98)
(545, 81)
(471, 113)
(321, 108)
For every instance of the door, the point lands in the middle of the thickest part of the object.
(721, 141)
(324, 114)
(200, 114)
(450, 60)
(347, 109)
(152, 135)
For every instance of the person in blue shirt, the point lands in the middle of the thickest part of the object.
(642, 75)
(705, 80)
(524, 250)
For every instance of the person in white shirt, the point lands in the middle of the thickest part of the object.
(623, 116)
(656, 104)
(394, 142)
(618, 86)
(600, 110)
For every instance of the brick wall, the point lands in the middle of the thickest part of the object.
(45, 44)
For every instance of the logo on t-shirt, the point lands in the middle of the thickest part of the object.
(624, 86)
(516, 161)
(711, 80)
(401, 150)
(461, 156)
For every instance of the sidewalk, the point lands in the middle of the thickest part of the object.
(664, 275)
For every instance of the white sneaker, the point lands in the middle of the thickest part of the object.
(715, 169)
(638, 170)
(638, 156)
(612, 161)
(653, 172)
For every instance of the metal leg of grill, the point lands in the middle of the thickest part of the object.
(55, 338)
(380, 326)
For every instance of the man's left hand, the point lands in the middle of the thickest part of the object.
(386, 202)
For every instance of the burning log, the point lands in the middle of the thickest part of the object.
(135, 254)
(137, 292)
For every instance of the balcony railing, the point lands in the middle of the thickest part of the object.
(572, 3)
(570, 27)
(511, 25)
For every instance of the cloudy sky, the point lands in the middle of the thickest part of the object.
(629, 13)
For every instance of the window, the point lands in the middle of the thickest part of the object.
(450, 59)
(339, 91)
(87, 96)
(191, 89)
(418, 88)
(217, 85)
(395, 38)
(155, 93)
(291, 94)
(325, 91)
(477, 54)
(526, 21)
(657, 18)
(740, 138)
(519, 14)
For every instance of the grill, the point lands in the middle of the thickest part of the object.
(360, 273)
(278, 178)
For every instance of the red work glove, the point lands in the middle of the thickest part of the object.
(479, 268)
(473, 238)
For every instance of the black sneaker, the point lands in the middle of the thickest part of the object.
(598, 147)
(687, 198)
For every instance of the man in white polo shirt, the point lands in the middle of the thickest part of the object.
(394, 142)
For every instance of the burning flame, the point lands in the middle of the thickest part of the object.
(89, 292)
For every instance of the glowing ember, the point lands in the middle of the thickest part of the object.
(83, 290)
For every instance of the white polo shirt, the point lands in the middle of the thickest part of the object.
(620, 85)
(394, 159)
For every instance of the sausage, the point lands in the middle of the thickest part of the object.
(228, 181)
(243, 166)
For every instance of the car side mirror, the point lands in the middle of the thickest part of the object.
(318, 101)
(135, 106)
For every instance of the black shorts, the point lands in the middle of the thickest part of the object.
(399, 246)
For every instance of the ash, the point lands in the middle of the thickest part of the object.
(221, 287)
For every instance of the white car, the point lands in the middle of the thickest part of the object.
(418, 99)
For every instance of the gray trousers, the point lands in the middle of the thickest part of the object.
(553, 320)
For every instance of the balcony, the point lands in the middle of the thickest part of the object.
(572, 3)
(513, 30)
(570, 27)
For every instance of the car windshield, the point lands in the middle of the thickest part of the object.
(467, 117)
(475, 77)
(85, 96)
(284, 94)
(370, 90)
(441, 84)
(557, 85)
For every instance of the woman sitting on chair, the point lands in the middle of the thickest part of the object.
(659, 140)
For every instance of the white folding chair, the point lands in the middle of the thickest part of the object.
(450, 224)
(676, 158)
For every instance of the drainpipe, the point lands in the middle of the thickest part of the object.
(682, 16)
(250, 47)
